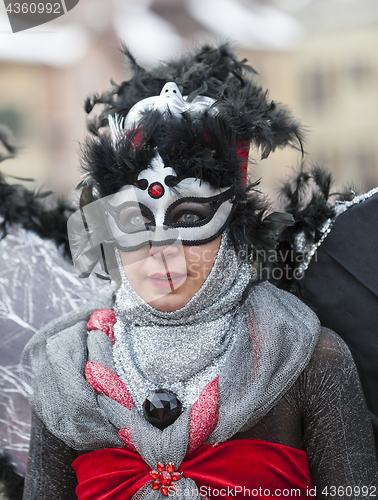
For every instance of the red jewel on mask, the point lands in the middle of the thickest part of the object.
(156, 190)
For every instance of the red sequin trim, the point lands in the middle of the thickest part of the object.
(204, 415)
(104, 381)
(104, 320)
(124, 434)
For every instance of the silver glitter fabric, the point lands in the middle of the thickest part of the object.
(214, 336)
(181, 350)
(252, 353)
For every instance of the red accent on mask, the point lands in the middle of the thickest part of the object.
(156, 190)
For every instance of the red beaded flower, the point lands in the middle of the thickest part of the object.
(164, 476)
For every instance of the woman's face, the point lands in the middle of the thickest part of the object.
(167, 277)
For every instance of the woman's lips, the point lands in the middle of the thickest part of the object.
(168, 281)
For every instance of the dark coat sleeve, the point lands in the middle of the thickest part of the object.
(49, 475)
(337, 432)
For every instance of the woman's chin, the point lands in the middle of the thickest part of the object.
(170, 302)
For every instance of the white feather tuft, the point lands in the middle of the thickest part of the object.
(116, 128)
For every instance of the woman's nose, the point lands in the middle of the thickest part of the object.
(164, 252)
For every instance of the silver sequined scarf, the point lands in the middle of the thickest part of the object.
(183, 350)
(257, 348)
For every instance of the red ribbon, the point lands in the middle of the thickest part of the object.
(232, 468)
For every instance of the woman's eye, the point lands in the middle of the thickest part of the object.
(188, 218)
(132, 219)
(190, 212)
(137, 220)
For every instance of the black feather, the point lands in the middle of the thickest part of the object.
(11, 481)
(9, 149)
(19, 205)
(217, 73)
(307, 197)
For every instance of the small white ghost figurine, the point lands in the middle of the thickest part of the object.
(170, 101)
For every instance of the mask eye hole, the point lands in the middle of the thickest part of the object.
(189, 218)
(190, 213)
(136, 219)
(133, 217)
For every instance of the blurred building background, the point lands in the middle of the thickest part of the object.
(320, 57)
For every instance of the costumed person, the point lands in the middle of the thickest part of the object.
(197, 376)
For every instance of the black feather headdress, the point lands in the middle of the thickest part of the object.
(212, 146)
